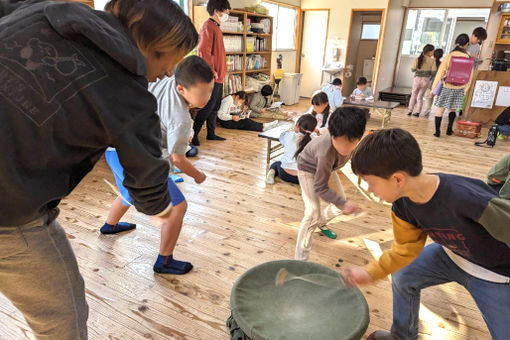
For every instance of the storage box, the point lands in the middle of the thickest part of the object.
(468, 129)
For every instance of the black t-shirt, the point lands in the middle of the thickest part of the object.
(504, 117)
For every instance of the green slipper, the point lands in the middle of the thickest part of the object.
(328, 232)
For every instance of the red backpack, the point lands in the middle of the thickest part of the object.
(460, 70)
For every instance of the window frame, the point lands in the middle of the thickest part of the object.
(370, 23)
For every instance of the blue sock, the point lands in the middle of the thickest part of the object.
(176, 179)
(168, 265)
(114, 229)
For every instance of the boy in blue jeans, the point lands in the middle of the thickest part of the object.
(190, 87)
(468, 222)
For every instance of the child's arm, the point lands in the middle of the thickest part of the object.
(255, 103)
(186, 167)
(321, 180)
(496, 219)
(441, 72)
(407, 245)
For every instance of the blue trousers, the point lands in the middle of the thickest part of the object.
(434, 267)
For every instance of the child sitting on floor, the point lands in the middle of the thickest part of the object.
(259, 101)
(362, 91)
(317, 162)
(192, 85)
(286, 169)
(233, 114)
(465, 218)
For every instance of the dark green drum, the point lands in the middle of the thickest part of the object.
(315, 305)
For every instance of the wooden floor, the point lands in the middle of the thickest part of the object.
(234, 222)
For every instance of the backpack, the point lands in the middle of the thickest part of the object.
(459, 71)
(492, 136)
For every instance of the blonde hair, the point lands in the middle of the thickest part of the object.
(156, 25)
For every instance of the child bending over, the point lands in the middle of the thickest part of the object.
(466, 219)
(317, 162)
(192, 85)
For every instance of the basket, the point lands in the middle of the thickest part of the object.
(468, 129)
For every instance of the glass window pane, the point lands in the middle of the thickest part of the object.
(370, 31)
(286, 32)
(272, 10)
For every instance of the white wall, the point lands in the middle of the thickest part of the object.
(243, 3)
(390, 47)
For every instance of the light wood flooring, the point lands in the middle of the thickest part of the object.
(234, 222)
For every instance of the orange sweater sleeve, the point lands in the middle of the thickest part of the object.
(408, 244)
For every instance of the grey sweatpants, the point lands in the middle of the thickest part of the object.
(314, 216)
(39, 275)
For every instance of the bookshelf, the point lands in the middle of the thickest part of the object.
(243, 47)
(503, 36)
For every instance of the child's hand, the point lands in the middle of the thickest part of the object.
(263, 110)
(350, 208)
(200, 178)
(354, 276)
(236, 118)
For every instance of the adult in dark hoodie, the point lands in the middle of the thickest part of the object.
(73, 81)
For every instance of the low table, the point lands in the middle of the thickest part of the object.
(273, 135)
(381, 107)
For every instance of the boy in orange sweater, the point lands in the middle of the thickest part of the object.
(466, 219)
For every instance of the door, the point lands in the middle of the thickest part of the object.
(315, 28)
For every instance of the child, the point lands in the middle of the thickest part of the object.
(463, 216)
(451, 96)
(334, 92)
(429, 96)
(259, 101)
(477, 37)
(320, 109)
(233, 115)
(499, 177)
(362, 90)
(192, 85)
(503, 121)
(286, 169)
(424, 66)
(318, 161)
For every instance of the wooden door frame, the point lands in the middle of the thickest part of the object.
(300, 41)
(380, 41)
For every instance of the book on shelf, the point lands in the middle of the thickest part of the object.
(255, 62)
(234, 63)
(232, 84)
(255, 44)
(233, 43)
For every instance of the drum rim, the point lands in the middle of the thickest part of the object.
(243, 324)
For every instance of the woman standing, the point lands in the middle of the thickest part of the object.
(73, 81)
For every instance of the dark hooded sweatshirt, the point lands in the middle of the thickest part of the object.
(72, 83)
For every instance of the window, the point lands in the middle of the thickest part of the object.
(439, 27)
(284, 26)
(183, 4)
(370, 31)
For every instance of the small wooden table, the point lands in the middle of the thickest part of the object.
(381, 107)
(273, 135)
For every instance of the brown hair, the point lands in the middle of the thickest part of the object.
(156, 25)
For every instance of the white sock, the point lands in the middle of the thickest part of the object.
(270, 125)
(270, 176)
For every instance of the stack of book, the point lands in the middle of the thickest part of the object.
(233, 43)
(234, 63)
(232, 84)
(255, 62)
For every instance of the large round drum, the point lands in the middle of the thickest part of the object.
(314, 305)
